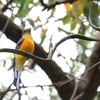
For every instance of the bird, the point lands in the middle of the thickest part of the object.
(26, 43)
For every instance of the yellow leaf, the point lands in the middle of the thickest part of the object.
(78, 8)
(38, 19)
(43, 32)
(53, 10)
(68, 7)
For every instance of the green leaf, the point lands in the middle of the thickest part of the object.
(73, 24)
(42, 39)
(31, 21)
(95, 14)
(65, 19)
(95, 20)
(23, 9)
(51, 1)
(86, 11)
(50, 46)
(82, 29)
(43, 35)
(60, 29)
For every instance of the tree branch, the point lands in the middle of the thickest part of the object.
(92, 77)
(71, 37)
(6, 6)
(3, 93)
(75, 90)
(54, 72)
(32, 56)
(89, 18)
(50, 6)
(36, 58)
(11, 29)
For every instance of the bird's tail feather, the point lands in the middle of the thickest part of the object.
(17, 80)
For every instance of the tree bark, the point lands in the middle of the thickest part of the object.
(92, 77)
(54, 72)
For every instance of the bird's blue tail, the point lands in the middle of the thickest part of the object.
(17, 79)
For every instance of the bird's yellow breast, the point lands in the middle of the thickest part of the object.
(27, 46)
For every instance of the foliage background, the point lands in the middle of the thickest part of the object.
(50, 21)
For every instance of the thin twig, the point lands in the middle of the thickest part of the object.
(71, 37)
(71, 75)
(59, 54)
(75, 89)
(6, 24)
(52, 52)
(6, 6)
(90, 17)
(78, 96)
(8, 20)
(60, 83)
(5, 91)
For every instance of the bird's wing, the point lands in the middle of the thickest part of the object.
(19, 43)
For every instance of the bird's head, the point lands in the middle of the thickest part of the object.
(27, 31)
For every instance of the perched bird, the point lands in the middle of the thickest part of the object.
(26, 43)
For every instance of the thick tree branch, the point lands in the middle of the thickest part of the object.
(50, 6)
(92, 77)
(32, 56)
(49, 57)
(11, 30)
(54, 72)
